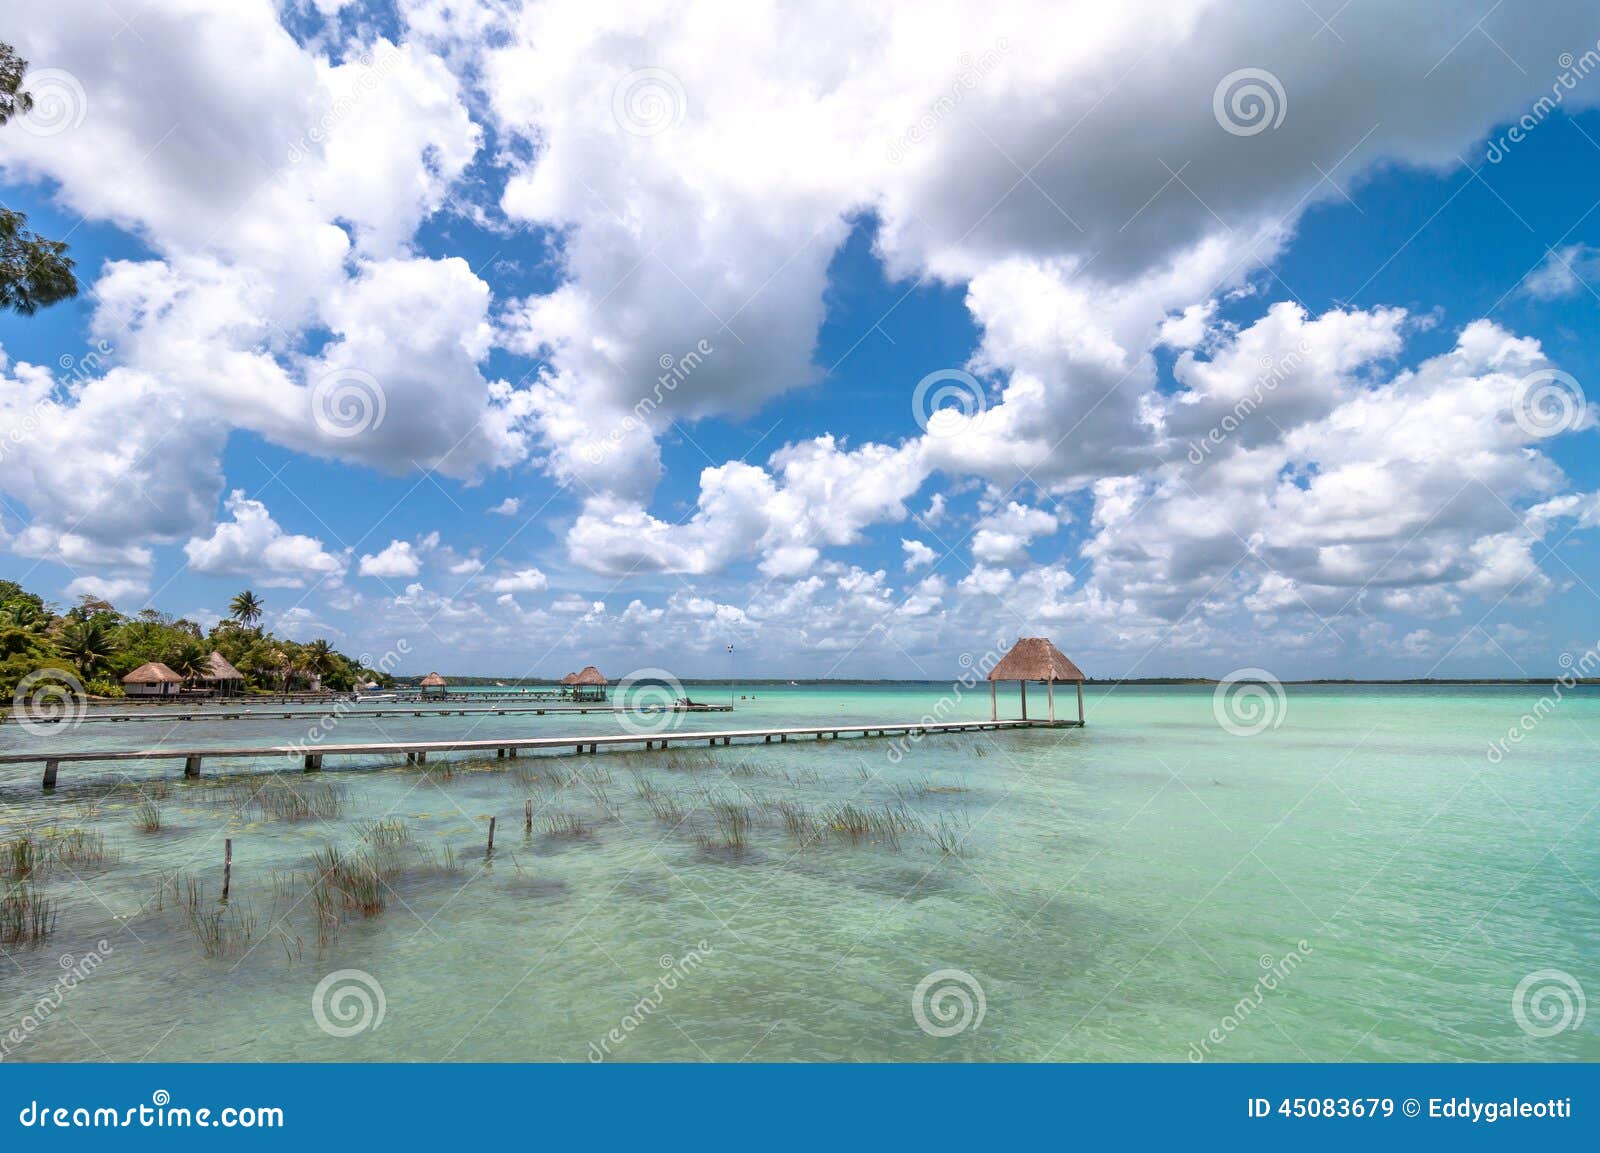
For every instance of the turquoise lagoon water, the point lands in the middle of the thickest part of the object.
(1130, 891)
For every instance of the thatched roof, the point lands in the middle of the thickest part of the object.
(1035, 659)
(218, 669)
(152, 673)
(570, 679)
(590, 676)
(433, 681)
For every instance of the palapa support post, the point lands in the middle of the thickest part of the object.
(994, 703)
(1050, 687)
(1024, 685)
(191, 767)
(1080, 704)
(50, 768)
(227, 866)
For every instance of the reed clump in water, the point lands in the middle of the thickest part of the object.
(732, 822)
(567, 825)
(284, 800)
(22, 858)
(80, 848)
(798, 821)
(950, 835)
(224, 930)
(666, 809)
(387, 835)
(348, 882)
(147, 817)
(857, 823)
(26, 918)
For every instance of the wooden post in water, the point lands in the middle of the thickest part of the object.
(1051, 688)
(50, 768)
(227, 866)
(490, 850)
(1024, 685)
(994, 704)
(1080, 703)
(527, 816)
(191, 767)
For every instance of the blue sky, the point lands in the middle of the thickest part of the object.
(505, 256)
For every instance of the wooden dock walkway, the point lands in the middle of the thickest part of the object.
(416, 752)
(222, 713)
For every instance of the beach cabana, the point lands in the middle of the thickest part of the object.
(1035, 659)
(220, 676)
(433, 684)
(152, 679)
(589, 685)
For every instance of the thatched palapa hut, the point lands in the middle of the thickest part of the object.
(152, 679)
(589, 685)
(220, 676)
(1035, 659)
(433, 683)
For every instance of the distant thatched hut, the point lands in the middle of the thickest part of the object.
(152, 679)
(220, 677)
(589, 685)
(1035, 659)
(433, 684)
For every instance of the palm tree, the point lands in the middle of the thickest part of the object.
(86, 644)
(317, 657)
(190, 658)
(245, 608)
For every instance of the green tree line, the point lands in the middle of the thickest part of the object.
(99, 645)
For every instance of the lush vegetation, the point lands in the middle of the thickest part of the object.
(98, 645)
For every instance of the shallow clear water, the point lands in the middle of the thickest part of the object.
(1120, 889)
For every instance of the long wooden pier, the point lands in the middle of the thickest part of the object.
(223, 713)
(416, 752)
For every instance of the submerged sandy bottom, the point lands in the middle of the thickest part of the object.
(1119, 893)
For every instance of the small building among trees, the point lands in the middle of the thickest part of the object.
(152, 679)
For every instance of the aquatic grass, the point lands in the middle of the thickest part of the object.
(284, 800)
(388, 834)
(950, 834)
(82, 848)
(26, 918)
(147, 817)
(666, 809)
(349, 882)
(732, 821)
(798, 820)
(22, 858)
(223, 931)
(857, 823)
(567, 825)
